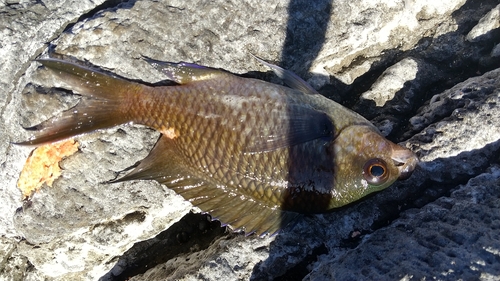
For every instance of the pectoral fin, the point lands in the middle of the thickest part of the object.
(222, 202)
(302, 124)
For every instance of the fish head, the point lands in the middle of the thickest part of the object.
(366, 162)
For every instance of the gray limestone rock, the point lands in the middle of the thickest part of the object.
(454, 238)
(425, 72)
(488, 23)
(25, 28)
(450, 120)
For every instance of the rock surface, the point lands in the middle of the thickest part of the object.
(426, 72)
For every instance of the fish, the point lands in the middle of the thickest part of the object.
(251, 153)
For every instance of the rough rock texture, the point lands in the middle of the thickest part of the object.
(426, 72)
(441, 240)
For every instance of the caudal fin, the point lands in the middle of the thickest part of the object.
(104, 104)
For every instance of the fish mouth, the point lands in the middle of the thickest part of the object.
(405, 160)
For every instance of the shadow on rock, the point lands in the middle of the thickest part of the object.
(194, 232)
(317, 242)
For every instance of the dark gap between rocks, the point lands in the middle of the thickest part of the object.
(193, 233)
(300, 270)
(110, 4)
(459, 65)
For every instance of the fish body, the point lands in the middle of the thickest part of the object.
(249, 152)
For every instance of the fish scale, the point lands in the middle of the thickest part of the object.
(249, 152)
(189, 144)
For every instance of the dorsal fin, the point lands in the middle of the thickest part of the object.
(291, 79)
(222, 202)
(183, 72)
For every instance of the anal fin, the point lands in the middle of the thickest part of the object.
(165, 166)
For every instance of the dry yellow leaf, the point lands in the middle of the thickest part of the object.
(42, 166)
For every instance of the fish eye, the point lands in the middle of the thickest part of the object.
(375, 171)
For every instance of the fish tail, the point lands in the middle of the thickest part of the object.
(106, 103)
